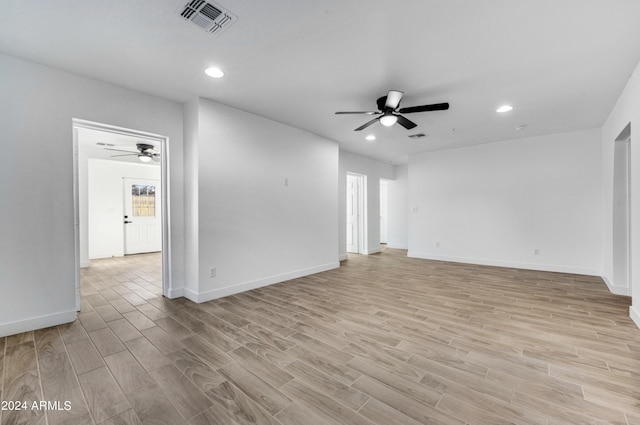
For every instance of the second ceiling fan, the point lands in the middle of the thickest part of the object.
(146, 152)
(389, 111)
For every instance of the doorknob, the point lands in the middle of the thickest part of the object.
(127, 222)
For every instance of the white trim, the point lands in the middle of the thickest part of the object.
(394, 246)
(101, 255)
(76, 219)
(370, 252)
(92, 125)
(635, 315)
(247, 286)
(343, 257)
(616, 290)
(175, 293)
(510, 264)
(38, 322)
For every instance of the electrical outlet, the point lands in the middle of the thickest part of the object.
(212, 272)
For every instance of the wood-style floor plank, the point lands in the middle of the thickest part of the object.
(153, 407)
(263, 393)
(233, 404)
(84, 356)
(22, 382)
(56, 373)
(188, 398)
(128, 373)
(103, 395)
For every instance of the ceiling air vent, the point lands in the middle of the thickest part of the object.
(209, 16)
(417, 135)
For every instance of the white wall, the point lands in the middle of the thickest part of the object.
(252, 227)
(496, 203)
(191, 128)
(398, 209)
(374, 170)
(106, 203)
(626, 111)
(37, 247)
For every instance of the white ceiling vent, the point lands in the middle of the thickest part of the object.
(417, 136)
(209, 16)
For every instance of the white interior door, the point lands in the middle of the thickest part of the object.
(353, 213)
(383, 211)
(142, 220)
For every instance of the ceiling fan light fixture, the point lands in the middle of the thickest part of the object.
(214, 72)
(388, 120)
(144, 157)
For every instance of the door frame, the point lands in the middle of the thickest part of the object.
(165, 200)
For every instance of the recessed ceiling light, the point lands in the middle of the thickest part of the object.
(504, 108)
(371, 137)
(214, 72)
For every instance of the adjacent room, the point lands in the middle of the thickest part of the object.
(339, 212)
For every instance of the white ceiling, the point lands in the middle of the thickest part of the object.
(561, 63)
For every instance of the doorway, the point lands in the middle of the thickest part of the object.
(156, 199)
(621, 210)
(356, 213)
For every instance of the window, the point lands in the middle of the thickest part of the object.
(143, 200)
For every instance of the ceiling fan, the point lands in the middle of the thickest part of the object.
(389, 111)
(146, 152)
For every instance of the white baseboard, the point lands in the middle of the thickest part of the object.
(38, 322)
(394, 246)
(175, 293)
(343, 257)
(635, 315)
(101, 255)
(617, 290)
(371, 252)
(510, 264)
(200, 297)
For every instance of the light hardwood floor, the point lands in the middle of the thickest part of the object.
(383, 340)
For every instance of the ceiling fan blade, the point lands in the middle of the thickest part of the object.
(129, 154)
(393, 99)
(359, 112)
(119, 150)
(362, 127)
(425, 108)
(408, 124)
